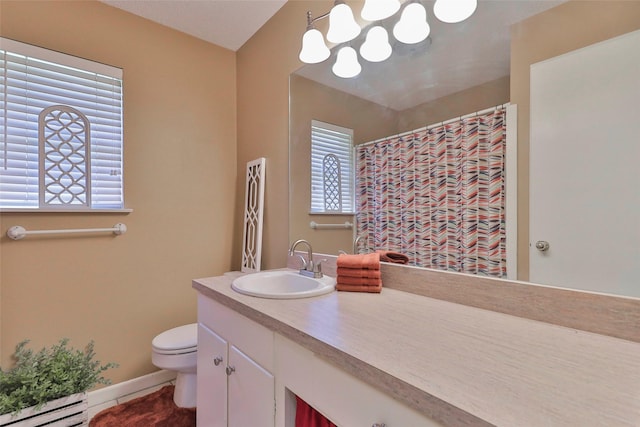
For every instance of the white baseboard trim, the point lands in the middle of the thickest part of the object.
(116, 391)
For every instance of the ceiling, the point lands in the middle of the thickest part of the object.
(454, 57)
(226, 23)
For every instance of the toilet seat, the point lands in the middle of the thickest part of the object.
(180, 340)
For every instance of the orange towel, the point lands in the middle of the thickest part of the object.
(394, 257)
(356, 288)
(358, 272)
(360, 281)
(369, 261)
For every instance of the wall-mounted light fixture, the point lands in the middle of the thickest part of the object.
(412, 27)
(314, 50)
(342, 25)
(376, 47)
(347, 64)
(454, 11)
(379, 9)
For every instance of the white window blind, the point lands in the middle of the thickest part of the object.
(33, 79)
(327, 139)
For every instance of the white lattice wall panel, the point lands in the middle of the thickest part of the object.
(253, 214)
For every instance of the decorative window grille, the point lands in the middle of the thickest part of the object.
(332, 183)
(60, 131)
(332, 177)
(65, 164)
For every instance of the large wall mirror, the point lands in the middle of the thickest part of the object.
(462, 68)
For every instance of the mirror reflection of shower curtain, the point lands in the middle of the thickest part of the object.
(437, 195)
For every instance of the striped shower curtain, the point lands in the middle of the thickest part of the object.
(437, 195)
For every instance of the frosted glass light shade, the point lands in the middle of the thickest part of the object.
(412, 26)
(453, 11)
(347, 64)
(376, 47)
(377, 10)
(314, 50)
(342, 25)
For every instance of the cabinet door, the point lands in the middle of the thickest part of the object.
(212, 379)
(251, 392)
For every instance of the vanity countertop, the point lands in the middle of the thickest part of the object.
(457, 364)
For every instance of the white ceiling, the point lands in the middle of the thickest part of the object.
(454, 58)
(226, 23)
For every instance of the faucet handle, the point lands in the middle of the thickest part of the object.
(317, 268)
(304, 262)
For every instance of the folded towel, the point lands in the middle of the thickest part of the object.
(356, 288)
(358, 272)
(394, 257)
(360, 281)
(369, 261)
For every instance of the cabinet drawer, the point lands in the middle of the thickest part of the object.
(250, 337)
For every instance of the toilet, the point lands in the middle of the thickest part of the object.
(176, 350)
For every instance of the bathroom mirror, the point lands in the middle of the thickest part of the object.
(460, 69)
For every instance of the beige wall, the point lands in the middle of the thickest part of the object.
(312, 101)
(180, 174)
(264, 64)
(180, 181)
(474, 99)
(570, 26)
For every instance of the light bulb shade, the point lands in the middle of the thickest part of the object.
(412, 26)
(342, 25)
(453, 11)
(376, 47)
(347, 64)
(377, 10)
(314, 50)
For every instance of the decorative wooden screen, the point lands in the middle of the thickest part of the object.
(253, 213)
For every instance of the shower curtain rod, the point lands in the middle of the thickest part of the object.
(431, 126)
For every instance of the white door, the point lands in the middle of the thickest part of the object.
(212, 379)
(251, 392)
(585, 168)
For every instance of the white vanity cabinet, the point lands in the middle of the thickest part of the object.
(249, 375)
(235, 356)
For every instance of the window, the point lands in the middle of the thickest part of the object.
(331, 169)
(60, 131)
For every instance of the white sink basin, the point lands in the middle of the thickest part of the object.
(282, 284)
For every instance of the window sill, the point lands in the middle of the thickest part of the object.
(83, 211)
(333, 213)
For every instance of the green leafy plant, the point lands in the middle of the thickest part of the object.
(49, 374)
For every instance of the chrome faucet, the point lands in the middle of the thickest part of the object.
(309, 268)
(356, 244)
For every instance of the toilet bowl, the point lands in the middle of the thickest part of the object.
(176, 350)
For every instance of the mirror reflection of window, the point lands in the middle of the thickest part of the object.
(332, 181)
